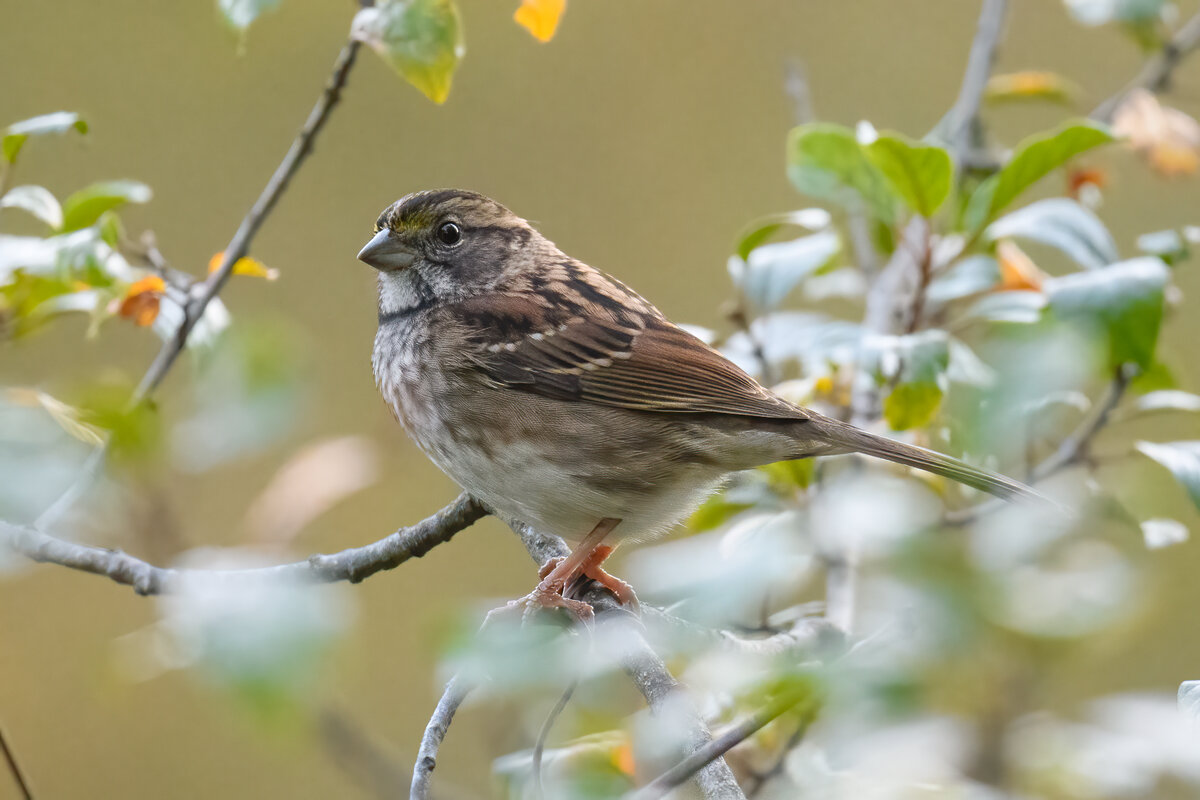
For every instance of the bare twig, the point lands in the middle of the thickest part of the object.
(539, 744)
(963, 117)
(352, 565)
(1155, 75)
(11, 759)
(717, 748)
(1070, 451)
(435, 732)
(202, 293)
(239, 245)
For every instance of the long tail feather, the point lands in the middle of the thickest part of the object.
(857, 440)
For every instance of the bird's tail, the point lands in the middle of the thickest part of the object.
(856, 440)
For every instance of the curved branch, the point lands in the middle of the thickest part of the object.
(353, 564)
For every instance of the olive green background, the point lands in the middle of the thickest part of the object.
(640, 140)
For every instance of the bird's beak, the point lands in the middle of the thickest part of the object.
(386, 252)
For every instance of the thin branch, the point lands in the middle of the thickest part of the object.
(435, 732)
(1070, 451)
(11, 759)
(204, 292)
(353, 564)
(807, 638)
(239, 245)
(964, 115)
(701, 758)
(539, 744)
(1155, 75)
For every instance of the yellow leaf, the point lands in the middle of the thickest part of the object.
(623, 760)
(68, 417)
(540, 17)
(141, 300)
(1030, 85)
(244, 266)
(1017, 270)
(1166, 137)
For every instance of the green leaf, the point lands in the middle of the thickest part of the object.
(1171, 246)
(37, 200)
(826, 161)
(85, 206)
(1102, 12)
(58, 122)
(1183, 461)
(758, 232)
(1123, 302)
(773, 270)
(923, 359)
(919, 173)
(420, 39)
(1061, 223)
(238, 14)
(1033, 159)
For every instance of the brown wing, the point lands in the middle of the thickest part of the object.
(624, 357)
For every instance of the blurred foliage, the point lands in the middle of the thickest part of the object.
(1024, 314)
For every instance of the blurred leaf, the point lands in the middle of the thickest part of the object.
(759, 231)
(1188, 699)
(1166, 137)
(1032, 160)
(1183, 461)
(420, 39)
(1102, 12)
(134, 434)
(58, 122)
(37, 200)
(918, 173)
(773, 270)
(247, 396)
(918, 363)
(141, 300)
(315, 479)
(1030, 85)
(244, 266)
(972, 275)
(1018, 273)
(1160, 533)
(592, 767)
(1024, 308)
(84, 207)
(1168, 400)
(1169, 245)
(1154, 378)
(787, 476)
(826, 161)
(1123, 302)
(540, 17)
(715, 512)
(69, 418)
(238, 14)
(1063, 224)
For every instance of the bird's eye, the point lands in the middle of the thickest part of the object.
(448, 233)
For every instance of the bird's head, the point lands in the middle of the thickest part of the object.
(444, 246)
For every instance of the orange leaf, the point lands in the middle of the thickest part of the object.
(540, 17)
(244, 266)
(1166, 137)
(1017, 270)
(141, 300)
(622, 759)
(1080, 177)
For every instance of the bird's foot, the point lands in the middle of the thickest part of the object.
(549, 594)
(592, 571)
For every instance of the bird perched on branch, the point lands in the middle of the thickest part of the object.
(562, 399)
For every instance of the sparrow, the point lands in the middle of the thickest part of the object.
(561, 399)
